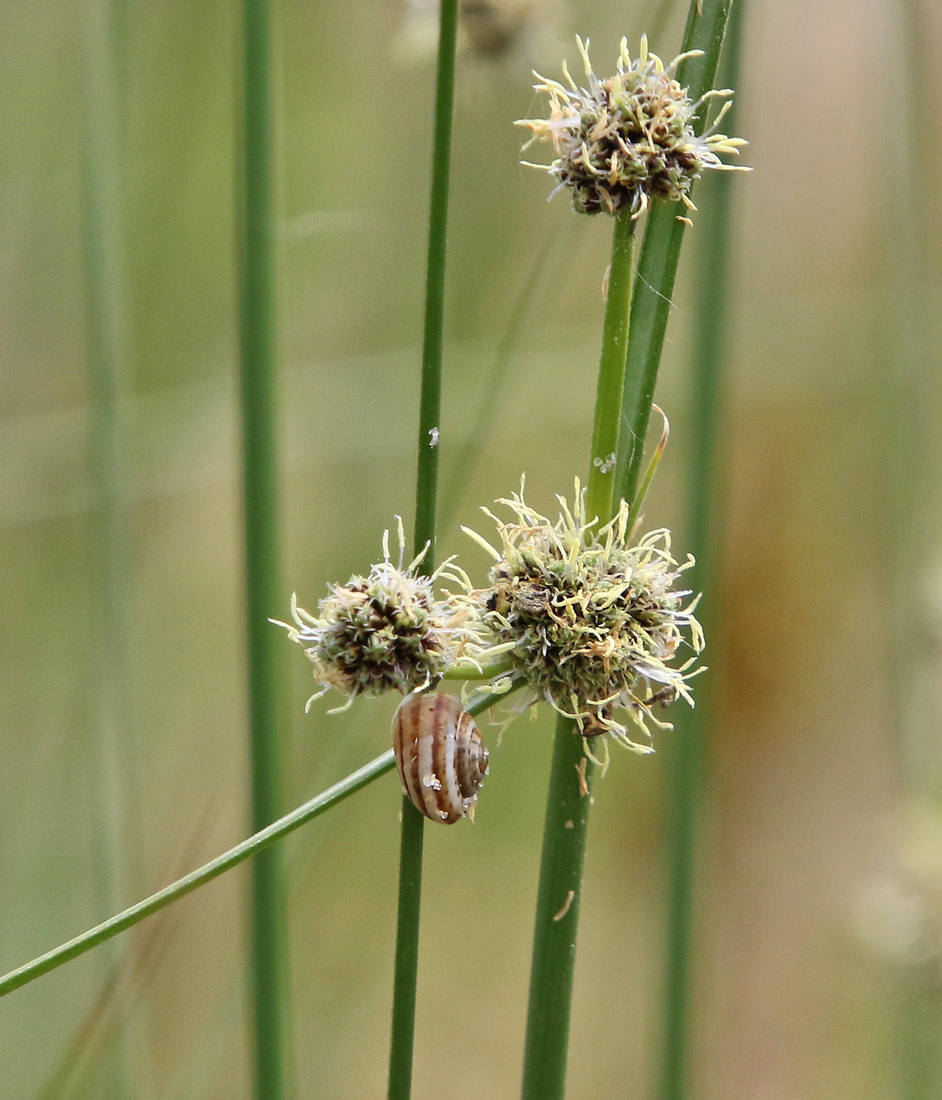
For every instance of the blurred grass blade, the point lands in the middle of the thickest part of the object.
(109, 674)
(105, 443)
(402, 1041)
(686, 751)
(906, 365)
(478, 435)
(260, 533)
(124, 987)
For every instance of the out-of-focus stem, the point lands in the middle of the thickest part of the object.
(269, 946)
(687, 762)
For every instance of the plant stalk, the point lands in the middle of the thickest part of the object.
(687, 760)
(565, 831)
(402, 1042)
(110, 635)
(687, 765)
(105, 352)
(260, 533)
(600, 489)
(660, 254)
(254, 845)
(426, 489)
(904, 360)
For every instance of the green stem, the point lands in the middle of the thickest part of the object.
(254, 846)
(905, 362)
(426, 490)
(567, 810)
(109, 634)
(262, 589)
(559, 897)
(687, 762)
(600, 491)
(478, 672)
(660, 253)
(402, 1040)
(101, 210)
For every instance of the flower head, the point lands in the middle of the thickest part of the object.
(630, 138)
(385, 630)
(595, 621)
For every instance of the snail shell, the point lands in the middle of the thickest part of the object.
(439, 754)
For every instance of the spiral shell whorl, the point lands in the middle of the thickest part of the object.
(440, 757)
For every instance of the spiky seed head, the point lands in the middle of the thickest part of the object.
(383, 631)
(597, 622)
(628, 139)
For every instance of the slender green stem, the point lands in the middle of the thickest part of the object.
(262, 588)
(400, 1063)
(565, 831)
(101, 209)
(254, 846)
(470, 672)
(687, 762)
(402, 1040)
(402, 1043)
(905, 362)
(426, 490)
(600, 490)
(109, 634)
(660, 253)
(558, 902)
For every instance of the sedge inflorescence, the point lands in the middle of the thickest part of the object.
(628, 139)
(385, 631)
(584, 617)
(594, 621)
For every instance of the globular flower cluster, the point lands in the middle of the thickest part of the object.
(383, 631)
(628, 139)
(583, 617)
(595, 622)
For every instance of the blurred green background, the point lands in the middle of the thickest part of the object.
(820, 909)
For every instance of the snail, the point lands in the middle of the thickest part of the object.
(439, 754)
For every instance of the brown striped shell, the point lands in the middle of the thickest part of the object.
(439, 754)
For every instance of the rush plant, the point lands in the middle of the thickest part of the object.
(584, 612)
